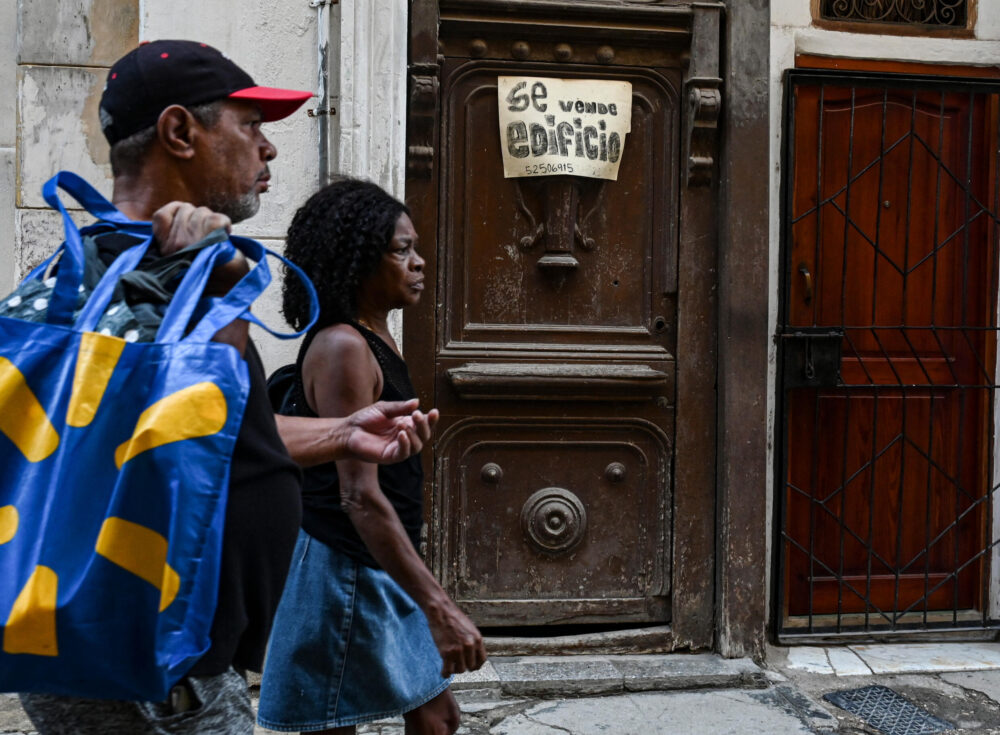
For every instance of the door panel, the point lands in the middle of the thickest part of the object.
(887, 488)
(621, 234)
(549, 337)
(581, 355)
(558, 521)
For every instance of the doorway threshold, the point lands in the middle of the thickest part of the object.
(655, 639)
(579, 675)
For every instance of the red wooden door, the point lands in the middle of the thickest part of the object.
(891, 243)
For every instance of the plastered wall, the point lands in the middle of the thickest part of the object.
(8, 91)
(54, 58)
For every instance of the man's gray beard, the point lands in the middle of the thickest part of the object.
(237, 209)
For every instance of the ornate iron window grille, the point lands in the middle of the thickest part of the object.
(938, 13)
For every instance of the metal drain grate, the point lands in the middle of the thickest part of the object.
(887, 711)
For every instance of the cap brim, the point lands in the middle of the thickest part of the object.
(274, 103)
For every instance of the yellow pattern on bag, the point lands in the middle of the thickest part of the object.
(95, 363)
(198, 410)
(143, 552)
(23, 420)
(31, 626)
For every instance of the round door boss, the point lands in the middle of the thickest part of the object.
(554, 520)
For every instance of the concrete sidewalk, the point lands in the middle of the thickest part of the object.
(696, 694)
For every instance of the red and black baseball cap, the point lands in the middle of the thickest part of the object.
(158, 74)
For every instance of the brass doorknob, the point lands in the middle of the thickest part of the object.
(807, 276)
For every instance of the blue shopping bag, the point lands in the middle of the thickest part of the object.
(114, 465)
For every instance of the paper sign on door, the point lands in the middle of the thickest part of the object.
(563, 126)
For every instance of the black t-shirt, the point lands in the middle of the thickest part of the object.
(263, 513)
(262, 522)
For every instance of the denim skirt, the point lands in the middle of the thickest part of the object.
(348, 646)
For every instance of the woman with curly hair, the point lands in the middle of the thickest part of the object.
(363, 631)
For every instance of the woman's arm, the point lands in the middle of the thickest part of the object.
(338, 391)
(386, 433)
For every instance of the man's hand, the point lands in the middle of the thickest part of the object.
(179, 224)
(388, 432)
(456, 637)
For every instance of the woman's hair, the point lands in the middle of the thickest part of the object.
(338, 238)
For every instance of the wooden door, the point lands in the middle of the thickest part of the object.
(891, 254)
(551, 341)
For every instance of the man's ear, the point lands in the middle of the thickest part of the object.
(175, 130)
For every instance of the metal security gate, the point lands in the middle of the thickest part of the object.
(887, 355)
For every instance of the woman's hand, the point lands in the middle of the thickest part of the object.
(384, 433)
(458, 640)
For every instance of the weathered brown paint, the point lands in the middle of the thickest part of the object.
(502, 341)
(694, 475)
(743, 343)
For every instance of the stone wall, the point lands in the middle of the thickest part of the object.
(8, 91)
(54, 59)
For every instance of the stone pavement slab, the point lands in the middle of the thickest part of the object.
(12, 717)
(809, 709)
(813, 659)
(587, 675)
(986, 682)
(845, 662)
(730, 712)
(929, 657)
(899, 658)
(687, 671)
(548, 675)
(486, 677)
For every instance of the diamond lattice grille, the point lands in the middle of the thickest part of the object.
(891, 222)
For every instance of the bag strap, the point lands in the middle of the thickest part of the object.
(105, 289)
(310, 290)
(235, 303)
(69, 277)
(71, 257)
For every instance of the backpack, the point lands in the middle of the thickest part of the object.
(281, 389)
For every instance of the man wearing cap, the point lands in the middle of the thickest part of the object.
(187, 152)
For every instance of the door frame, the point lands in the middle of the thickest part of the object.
(719, 568)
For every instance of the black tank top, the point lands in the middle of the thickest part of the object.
(323, 518)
